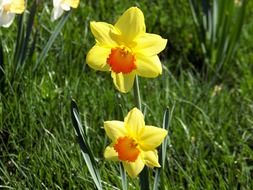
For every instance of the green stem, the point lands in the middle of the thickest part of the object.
(144, 177)
(137, 96)
(123, 177)
(2, 73)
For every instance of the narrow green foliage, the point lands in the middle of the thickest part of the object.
(85, 148)
(19, 40)
(219, 25)
(137, 96)
(166, 125)
(2, 79)
(123, 177)
(144, 175)
(52, 38)
(23, 37)
(29, 28)
(163, 152)
(144, 179)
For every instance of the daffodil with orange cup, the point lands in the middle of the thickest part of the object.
(133, 142)
(125, 49)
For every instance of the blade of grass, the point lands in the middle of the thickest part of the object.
(85, 148)
(237, 31)
(144, 175)
(29, 28)
(19, 39)
(123, 176)
(144, 179)
(163, 152)
(6, 187)
(23, 39)
(218, 25)
(2, 79)
(52, 38)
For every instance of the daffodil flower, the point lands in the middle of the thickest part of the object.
(133, 143)
(126, 49)
(62, 5)
(8, 9)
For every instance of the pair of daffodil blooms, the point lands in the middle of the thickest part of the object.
(126, 50)
(8, 9)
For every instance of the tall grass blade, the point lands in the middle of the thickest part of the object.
(23, 38)
(162, 152)
(85, 148)
(33, 45)
(29, 28)
(52, 38)
(144, 179)
(144, 175)
(237, 31)
(19, 40)
(123, 177)
(2, 77)
(218, 25)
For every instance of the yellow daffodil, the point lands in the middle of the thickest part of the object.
(8, 9)
(62, 5)
(133, 143)
(126, 49)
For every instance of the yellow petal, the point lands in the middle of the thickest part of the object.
(131, 24)
(123, 82)
(150, 44)
(114, 129)
(134, 168)
(149, 67)
(96, 58)
(151, 158)
(134, 122)
(151, 137)
(104, 33)
(17, 6)
(110, 154)
(72, 3)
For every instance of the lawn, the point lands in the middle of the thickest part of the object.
(210, 136)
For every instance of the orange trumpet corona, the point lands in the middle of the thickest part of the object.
(121, 60)
(127, 149)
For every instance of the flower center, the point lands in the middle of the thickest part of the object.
(126, 148)
(121, 60)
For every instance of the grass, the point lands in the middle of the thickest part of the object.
(210, 139)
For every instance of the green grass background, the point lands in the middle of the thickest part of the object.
(210, 137)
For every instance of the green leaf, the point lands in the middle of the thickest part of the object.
(19, 40)
(123, 176)
(52, 38)
(218, 25)
(85, 148)
(23, 38)
(29, 28)
(2, 76)
(144, 179)
(163, 151)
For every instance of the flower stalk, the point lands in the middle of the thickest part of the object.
(144, 177)
(137, 96)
